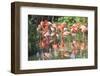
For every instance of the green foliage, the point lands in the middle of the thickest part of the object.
(70, 20)
(32, 34)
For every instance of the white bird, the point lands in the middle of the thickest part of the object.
(65, 29)
(54, 25)
(52, 34)
(52, 29)
(83, 28)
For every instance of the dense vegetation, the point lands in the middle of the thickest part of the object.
(74, 30)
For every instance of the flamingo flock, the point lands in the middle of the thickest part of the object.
(52, 41)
